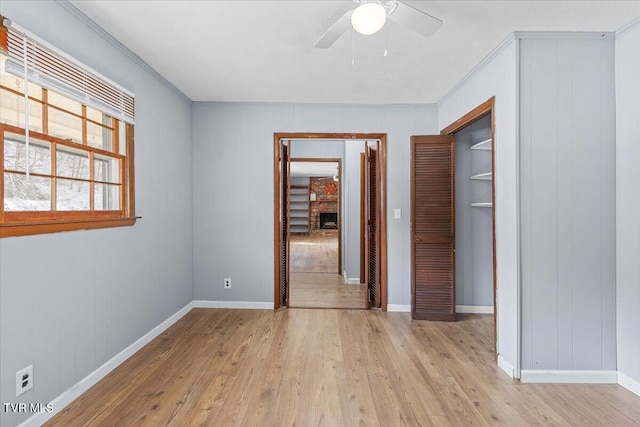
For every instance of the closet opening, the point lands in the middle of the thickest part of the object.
(475, 211)
(453, 220)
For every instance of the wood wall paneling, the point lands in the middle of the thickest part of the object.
(567, 187)
(627, 69)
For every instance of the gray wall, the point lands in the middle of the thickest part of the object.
(628, 201)
(233, 213)
(496, 77)
(318, 149)
(567, 184)
(474, 228)
(352, 208)
(71, 301)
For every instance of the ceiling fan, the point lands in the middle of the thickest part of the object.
(370, 16)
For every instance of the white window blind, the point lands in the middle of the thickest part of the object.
(53, 69)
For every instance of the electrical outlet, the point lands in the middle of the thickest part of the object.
(227, 283)
(24, 380)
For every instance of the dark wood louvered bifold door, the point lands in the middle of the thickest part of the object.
(373, 224)
(284, 212)
(433, 228)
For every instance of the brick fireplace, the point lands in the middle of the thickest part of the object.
(324, 210)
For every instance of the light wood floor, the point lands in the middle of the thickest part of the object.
(332, 368)
(314, 279)
(314, 253)
(324, 290)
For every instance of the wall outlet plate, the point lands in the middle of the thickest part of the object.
(24, 380)
(227, 283)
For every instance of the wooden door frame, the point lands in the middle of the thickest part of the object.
(372, 182)
(482, 110)
(363, 245)
(339, 162)
(382, 137)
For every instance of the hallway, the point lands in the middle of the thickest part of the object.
(314, 279)
(325, 290)
(314, 253)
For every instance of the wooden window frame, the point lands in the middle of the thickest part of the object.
(22, 223)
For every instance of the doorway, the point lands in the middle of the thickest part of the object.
(315, 209)
(315, 243)
(326, 225)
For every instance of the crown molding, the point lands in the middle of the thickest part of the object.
(65, 4)
(475, 70)
(565, 35)
(629, 27)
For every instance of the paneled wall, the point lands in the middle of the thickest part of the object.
(628, 204)
(567, 203)
(496, 77)
(71, 301)
(230, 139)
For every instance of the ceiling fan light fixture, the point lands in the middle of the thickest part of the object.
(369, 18)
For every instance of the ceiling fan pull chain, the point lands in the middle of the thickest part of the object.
(386, 41)
(353, 47)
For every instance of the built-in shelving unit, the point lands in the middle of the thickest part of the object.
(482, 145)
(487, 176)
(474, 215)
(299, 209)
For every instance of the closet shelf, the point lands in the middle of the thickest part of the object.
(482, 205)
(482, 145)
(488, 176)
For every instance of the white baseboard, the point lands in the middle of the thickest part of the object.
(479, 309)
(233, 304)
(353, 281)
(90, 380)
(400, 308)
(569, 377)
(506, 366)
(474, 309)
(629, 383)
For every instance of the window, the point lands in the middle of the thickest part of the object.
(66, 139)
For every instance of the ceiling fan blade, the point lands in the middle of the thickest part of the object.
(412, 18)
(335, 31)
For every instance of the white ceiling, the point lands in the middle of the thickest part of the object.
(262, 51)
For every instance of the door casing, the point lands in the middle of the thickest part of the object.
(278, 137)
(482, 110)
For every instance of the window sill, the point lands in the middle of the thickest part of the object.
(45, 227)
